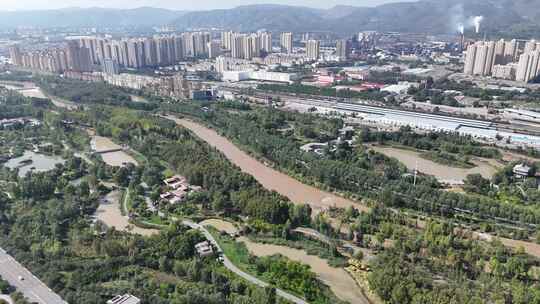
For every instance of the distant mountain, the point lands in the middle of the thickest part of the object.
(89, 17)
(428, 16)
(254, 17)
(520, 18)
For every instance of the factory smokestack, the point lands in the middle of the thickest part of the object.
(461, 28)
(477, 20)
(461, 33)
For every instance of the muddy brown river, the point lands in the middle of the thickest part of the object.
(289, 187)
(339, 281)
(270, 178)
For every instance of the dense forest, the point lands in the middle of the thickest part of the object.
(441, 264)
(226, 187)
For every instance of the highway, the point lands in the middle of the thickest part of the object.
(229, 265)
(30, 285)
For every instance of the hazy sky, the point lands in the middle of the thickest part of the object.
(175, 4)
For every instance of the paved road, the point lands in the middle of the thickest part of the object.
(31, 286)
(227, 263)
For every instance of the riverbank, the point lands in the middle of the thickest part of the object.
(270, 178)
(339, 281)
(318, 199)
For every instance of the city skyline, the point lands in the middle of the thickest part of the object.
(25, 5)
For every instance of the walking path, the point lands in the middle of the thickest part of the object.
(109, 213)
(229, 265)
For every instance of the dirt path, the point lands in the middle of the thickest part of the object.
(270, 178)
(109, 213)
(339, 281)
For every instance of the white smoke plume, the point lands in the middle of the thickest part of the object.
(460, 20)
(477, 20)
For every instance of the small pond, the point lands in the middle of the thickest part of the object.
(31, 161)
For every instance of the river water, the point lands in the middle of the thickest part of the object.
(270, 178)
(339, 281)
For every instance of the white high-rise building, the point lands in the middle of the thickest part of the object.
(214, 49)
(490, 59)
(523, 64)
(247, 50)
(528, 67)
(189, 45)
(237, 46)
(266, 42)
(511, 51)
(499, 52)
(313, 49)
(480, 60)
(150, 52)
(343, 49)
(469, 59)
(200, 43)
(286, 42)
(529, 46)
(255, 46)
(226, 40)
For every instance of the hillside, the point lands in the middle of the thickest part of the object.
(432, 16)
(254, 17)
(519, 18)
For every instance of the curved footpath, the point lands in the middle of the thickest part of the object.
(270, 178)
(229, 265)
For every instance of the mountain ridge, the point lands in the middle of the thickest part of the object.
(520, 18)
